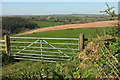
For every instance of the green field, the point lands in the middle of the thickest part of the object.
(47, 24)
(25, 68)
(70, 33)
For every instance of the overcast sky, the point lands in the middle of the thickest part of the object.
(60, 0)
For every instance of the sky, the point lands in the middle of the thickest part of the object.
(49, 8)
(60, 0)
(119, 7)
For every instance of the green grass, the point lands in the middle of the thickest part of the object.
(16, 70)
(29, 69)
(73, 33)
(69, 33)
(47, 24)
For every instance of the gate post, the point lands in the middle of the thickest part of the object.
(81, 42)
(7, 45)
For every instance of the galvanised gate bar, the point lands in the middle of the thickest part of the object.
(45, 49)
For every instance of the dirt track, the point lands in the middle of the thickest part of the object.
(61, 27)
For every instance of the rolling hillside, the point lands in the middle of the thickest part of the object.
(71, 26)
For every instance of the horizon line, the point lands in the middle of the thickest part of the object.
(49, 14)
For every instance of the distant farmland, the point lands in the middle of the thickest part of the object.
(72, 26)
(47, 24)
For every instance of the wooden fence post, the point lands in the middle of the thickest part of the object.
(7, 44)
(81, 42)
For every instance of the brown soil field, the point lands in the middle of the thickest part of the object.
(70, 26)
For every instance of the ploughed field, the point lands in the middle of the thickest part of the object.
(72, 26)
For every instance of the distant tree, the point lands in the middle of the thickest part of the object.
(16, 24)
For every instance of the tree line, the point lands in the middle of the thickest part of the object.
(11, 25)
(69, 19)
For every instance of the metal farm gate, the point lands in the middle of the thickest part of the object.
(44, 49)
